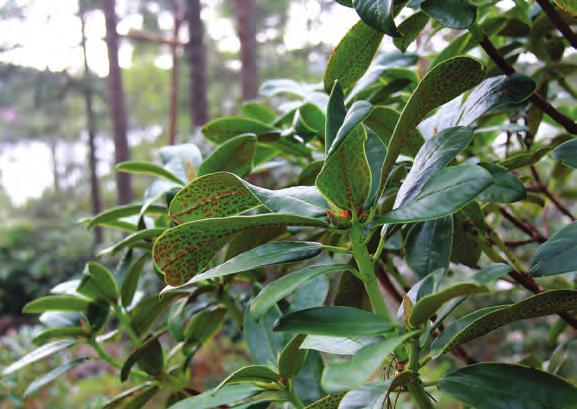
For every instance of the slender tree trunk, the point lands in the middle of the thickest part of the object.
(55, 171)
(246, 10)
(117, 103)
(196, 54)
(174, 76)
(91, 126)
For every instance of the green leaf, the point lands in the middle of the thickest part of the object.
(352, 56)
(410, 29)
(336, 113)
(149, 357)
(96, 314)
(204, 324)
(309, 121)
(328, 402)
(355, 115)
(376, 152)
(339, 376)
(263, 343)
(148, 310)
(443, 83)
(492, 272)
(222, 129)
(378, 14)
(523, 159)
(56, 303)
(185, 250)
(258, 111)
(37, 354)
(51, 334)
(132, 396)
(428, 246)
(427, 306)
(370, 396)
(506, 188)
(104, 280)
(250, 374)
(446, 192)
(113, 214)
(292, 358)
(473, 326)
(130, 282)
(383, 120)
(280, 288)
(345, 179)
(567, 153)
(147, 168)
(557, 255)
(212, 398)
(132, 239)
(48, 377)
(235, 156)
(458, 14)
(434, 155)
(333, 321)
(496, 385)
(278, 252)
(337, 345)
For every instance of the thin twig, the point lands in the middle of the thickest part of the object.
(524, 226)
(536, 98)
(559, 22)
(554, 199)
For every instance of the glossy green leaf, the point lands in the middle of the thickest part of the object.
(345, 179)
(339, 376)
(235, 156)
(446, 192)
(336, 113)
(427, 306)
(352, 56)
(252, 373)
(263, 343)
(378, 14)
(443, 83)
(51, 334)
(458, 14)
(147, 168)
(309, 120)
(222, 129)
(492, 272)
(506, 188)
(428, 246)
(258, 111)
(333, 321)
(185, 250)
(280, 288)
(148, 310)
(292, 358)
(434, 155)
(337, 345)
(104, 280)
(56, 303)
(463, 330)
(506, 386)
(370, 396)
(204, 324)
(134, 395)
(130, 282)
(278, 252)
(132, 239)
(376, 151)
(557, 255)
(355, 115)
(410, 29)
(328, 402)
(567, 153)
(37, 354)
(50, 376)
(149, 357)
(115, 213)
(523, 159)
(311, 294)
(383, 120)
(212, 398)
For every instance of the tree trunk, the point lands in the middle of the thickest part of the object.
(117, 103)
(196, 53)
(55, 171)
(174, 76)
(246, 10)
(91, 127)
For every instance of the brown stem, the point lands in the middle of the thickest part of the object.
(526, 227)
(559, 22)
(536, 98)
(554, 199)
(174, 76)
(518, 243)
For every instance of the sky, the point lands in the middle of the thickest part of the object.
(49, 37)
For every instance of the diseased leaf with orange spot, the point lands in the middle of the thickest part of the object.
(185, 250)
(345, 179)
